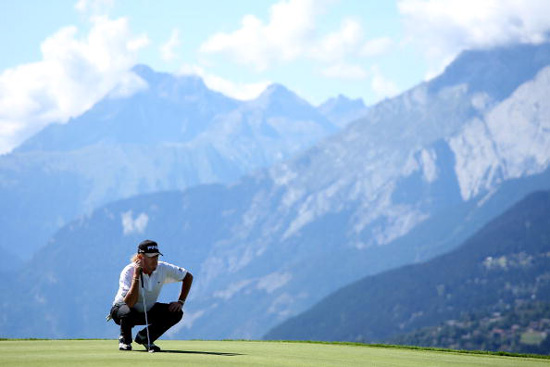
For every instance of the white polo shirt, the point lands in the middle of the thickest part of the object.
(164, 273)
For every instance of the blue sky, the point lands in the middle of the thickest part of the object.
(60, 57)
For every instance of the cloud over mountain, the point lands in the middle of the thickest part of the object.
(75, 72)
(445, 28)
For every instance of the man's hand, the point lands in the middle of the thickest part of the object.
(175, 307)
(138, 266)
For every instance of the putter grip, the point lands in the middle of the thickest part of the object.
(141, 278)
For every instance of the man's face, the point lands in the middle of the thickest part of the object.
(150, 263)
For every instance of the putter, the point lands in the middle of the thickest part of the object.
(145, 310)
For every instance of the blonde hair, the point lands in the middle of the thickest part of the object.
(134, 258)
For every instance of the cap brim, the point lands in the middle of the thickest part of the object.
(152, 254)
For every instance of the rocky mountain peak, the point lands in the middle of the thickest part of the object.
(497, 72)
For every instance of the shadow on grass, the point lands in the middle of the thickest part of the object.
(199, 352)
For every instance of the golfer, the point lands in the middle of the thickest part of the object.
(136, 300)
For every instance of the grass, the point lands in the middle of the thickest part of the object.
(104, 353)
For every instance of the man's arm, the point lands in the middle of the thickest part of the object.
(185, 287)
(132, 296)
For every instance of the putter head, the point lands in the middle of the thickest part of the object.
(151, 351)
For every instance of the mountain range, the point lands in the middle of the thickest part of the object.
(411, 180)
(172, 134)
(503, 265)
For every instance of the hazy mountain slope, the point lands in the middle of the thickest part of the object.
(79, 268)
(396, 187)
(172, 134)
(496, 72)
(167, 109)
(504, 263)
(342, 110)
(87, 256)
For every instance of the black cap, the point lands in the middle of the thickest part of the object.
(149, 248)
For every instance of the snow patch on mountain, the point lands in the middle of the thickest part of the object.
(267, 283)
(282, 305)
(135, 225)
(273, 281)
(232, 289)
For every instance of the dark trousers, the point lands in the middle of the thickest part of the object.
(159, 317)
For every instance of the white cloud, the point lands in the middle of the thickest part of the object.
(284, 38)
(344, 71)
(443, 28)
(291, 33)
(129, 84)
(339, 44)
(74, 73)
(241, 91)
(168, 50)
(94, 7)
(376, 47)
(383, 87)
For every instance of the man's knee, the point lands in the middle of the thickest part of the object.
(176, 317)
(162, 314)
(120, 313)
(179, 315)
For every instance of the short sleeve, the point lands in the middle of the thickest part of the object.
(174, 273)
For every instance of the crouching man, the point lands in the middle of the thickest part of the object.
(136, 303)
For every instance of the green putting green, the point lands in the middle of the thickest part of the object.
(105, 353)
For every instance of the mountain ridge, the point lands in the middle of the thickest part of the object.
(136, 119)
(395, 187)
(474, 277)
(171, 134)
(484, 76)
(342, 110)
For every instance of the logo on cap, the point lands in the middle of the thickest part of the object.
(148, 247)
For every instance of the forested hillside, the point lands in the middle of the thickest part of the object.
(486, 294)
